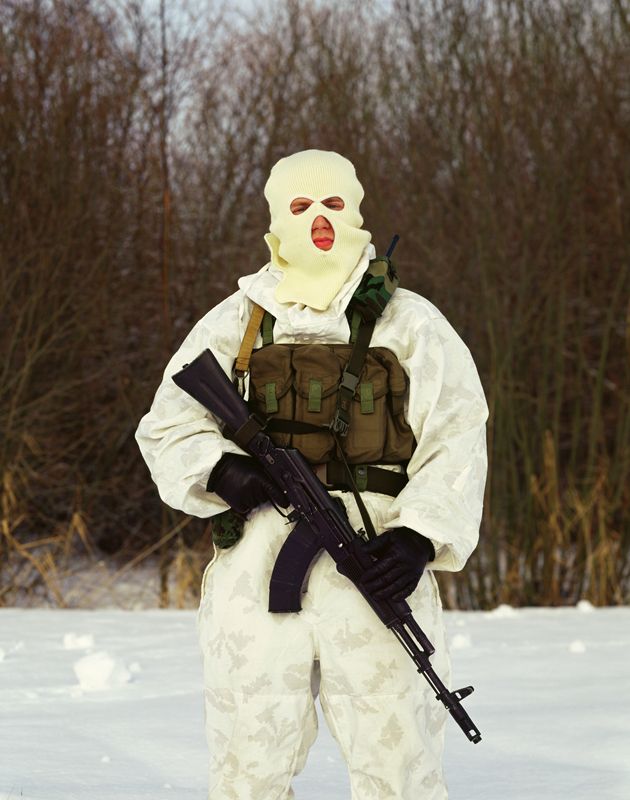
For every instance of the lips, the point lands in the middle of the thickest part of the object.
(323, 244)
(323, 236)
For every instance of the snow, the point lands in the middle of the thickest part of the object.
(73, 642)
(99, 671)
(107, 705)
(459, 642)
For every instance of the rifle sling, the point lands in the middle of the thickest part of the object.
(241, 367)
(369, 526)
(245, 433)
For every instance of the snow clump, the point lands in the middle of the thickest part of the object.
(502, 610)
(585, 606)
(577, 646)
(461, 641)
(71, 641)
(14, 648)
(99, 671)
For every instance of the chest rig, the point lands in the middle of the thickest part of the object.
(341, 405)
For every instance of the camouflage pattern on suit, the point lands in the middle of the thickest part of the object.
(259, 667)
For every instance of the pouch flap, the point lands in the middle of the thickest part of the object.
(271, 365)
(316, 363)
(374, 374)
(397, 375)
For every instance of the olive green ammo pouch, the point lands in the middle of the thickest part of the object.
(295, 386)
(314, 395)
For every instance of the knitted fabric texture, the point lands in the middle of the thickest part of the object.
(313, 276)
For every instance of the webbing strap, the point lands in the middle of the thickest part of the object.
(367, 522)
(278, 425)
(367, 397)
(241, 366)
(354, 326)
(267, 328)
(374, 479)
(271, 401)
(315, 395)
(350, 379)
(246, 432)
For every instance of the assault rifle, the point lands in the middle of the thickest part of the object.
(321, 523)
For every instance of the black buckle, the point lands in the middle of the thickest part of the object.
(349, 382)
(340, 423)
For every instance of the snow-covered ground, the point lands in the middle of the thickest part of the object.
(107, 705)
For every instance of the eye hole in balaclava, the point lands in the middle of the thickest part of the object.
(314, 275)
(300, 204)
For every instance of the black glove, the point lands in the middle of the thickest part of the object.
(402, 556)
(243, 484)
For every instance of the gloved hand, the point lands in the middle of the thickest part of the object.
(402, 556)
(243, 484)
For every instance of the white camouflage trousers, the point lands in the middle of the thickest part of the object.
(262, 670)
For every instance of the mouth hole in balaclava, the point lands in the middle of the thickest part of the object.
(322, 233)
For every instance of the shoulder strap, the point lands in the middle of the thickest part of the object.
(366, 306)
(241, 367)
(267, 328)
(350, 378)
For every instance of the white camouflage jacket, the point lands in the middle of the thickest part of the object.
(446, 409)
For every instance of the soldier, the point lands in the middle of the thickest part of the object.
(415, 439)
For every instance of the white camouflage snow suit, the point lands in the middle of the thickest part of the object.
(262, 670)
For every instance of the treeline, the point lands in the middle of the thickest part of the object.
(135, 142)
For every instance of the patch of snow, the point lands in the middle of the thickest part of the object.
(501, 612)
(585, 606)
(72, 641)
(577, 646)
(553, 725)
(460, 641)
(13, 648)
(99, 671)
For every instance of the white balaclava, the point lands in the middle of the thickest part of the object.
(313, 276)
